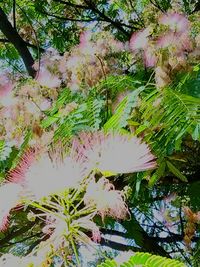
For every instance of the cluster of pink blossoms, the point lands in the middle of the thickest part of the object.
(178, 29)
(83, 66)
(37, 177)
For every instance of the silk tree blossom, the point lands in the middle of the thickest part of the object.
(61, 232)
(170, 40)
(150, 58)
(86, 46)
(40, 177)
(7, 99)
(53, 179)
(113, 152)
(86, 223)
(57, 229)
(6, 85)
(175, 21)
(107, 200)
(46, 78)
(9, 198)
(139, 40)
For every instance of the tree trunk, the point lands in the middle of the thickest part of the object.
(12, 35)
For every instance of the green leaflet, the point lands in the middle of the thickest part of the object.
(5, 150)
(176, 172)
(122, 114)
(22, 149)
(170, 116)
(145, 260)
(119, 83)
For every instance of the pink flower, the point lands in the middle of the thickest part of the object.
(87, 224)
(169, 39)
(84, 38)
(18, 174)
(150, 58)
(45, 78)
(86, 46)
(185, 41)
(107, 200)
(6, 85)
(9, 198)
(175, 22)
(40, 177)
(139, 40)
(180, 41)
(113, 152)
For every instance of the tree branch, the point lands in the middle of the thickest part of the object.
(18, 232)
(65, 18)
(118, 246)
(2, 40)
(116, 24)
(142, 239)
(12, 35)
(71, 4)
(14, 14)
(197, 7)
(113, 232)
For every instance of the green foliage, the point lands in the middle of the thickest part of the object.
(118, 83)
(123, 111)
(171, 115)
(167, 118)
(5, 152)
(69, 121)
(145, 260)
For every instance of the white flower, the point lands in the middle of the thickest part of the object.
(41, 177)
(113, 152)
(9, 198)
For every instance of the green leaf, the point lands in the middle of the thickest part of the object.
(145, 260)
(158, 173)
(122, 113)
(176, 172)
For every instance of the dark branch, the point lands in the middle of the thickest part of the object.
(14, 14)
(197, 7)
(117, 246)
(102, 15)
(18, 232)
(113, 232)
(2, 40)
(12, 35)
(66, 18)
(72, 5)
(156, 4)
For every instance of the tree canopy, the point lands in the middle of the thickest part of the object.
(100, 133)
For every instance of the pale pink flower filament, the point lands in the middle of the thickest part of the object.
(175, 22)
(33, 171)
(9, 197)
(6, 85)
(107, 200)
(150, 57)
(113, 152)
(139, 40)
(46, 78)
(17, 175)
